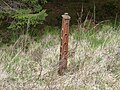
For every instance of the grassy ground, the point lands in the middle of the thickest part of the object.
(93, 63)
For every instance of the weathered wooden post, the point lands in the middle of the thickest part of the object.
(64, 43)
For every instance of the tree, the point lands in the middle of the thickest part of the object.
(18, 14)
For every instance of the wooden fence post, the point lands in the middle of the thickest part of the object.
(64, 44)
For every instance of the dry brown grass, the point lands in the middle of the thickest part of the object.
(91, 66)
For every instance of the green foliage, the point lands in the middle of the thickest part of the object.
(23, 17)
(26, 13)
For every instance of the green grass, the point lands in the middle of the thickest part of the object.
(93, 62)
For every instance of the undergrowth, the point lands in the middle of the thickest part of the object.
(93, 62)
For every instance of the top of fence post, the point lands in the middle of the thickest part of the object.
(66, 16)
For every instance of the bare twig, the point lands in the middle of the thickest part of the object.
(8, 6)
(80, 18)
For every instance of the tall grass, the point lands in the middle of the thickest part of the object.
(93, 63)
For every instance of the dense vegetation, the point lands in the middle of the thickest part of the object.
(29, 54)
(93, 61)
(18, 14)
(103, 10)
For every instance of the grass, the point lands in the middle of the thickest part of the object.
(93, 62)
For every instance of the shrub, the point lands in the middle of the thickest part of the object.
(18, 14)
